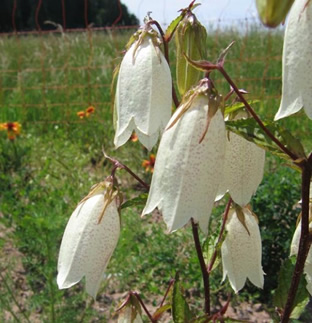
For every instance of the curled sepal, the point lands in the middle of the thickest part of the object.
(143, 92)
(131, 311)
(297, 61)
(191, 41)
(187, 173)
(89, 240)
(243, 167)
(273, 12)
(241, 250)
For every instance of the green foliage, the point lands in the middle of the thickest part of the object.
(181, 312)
(250, 130)
(284, 280)
(274, 204)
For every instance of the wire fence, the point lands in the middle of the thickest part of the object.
(51, 75)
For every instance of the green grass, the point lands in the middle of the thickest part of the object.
(45, 80)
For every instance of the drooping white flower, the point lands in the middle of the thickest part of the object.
(187, 173)
(143, 94)
(242, 170)
(241, 250)
(297, 61)
(89, 240)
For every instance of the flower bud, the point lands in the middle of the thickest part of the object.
(297, 61)
(243, 168)
(188, 165)
(89, 240)
(273, 12)
(191, 41)
(143, 93)
(130, 312)
(241, 249)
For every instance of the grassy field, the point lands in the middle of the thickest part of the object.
(45, 81)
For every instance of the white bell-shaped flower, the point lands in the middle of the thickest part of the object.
(143, 94)
(187, 173)
(89, 240)
(242, 170)
(241, 250)
(297, 61)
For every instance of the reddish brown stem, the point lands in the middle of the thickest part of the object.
(202, 266)
(144, 307)
(305, 239)
(255, 116)
(118, 164)
(167, 292)
(214, 256)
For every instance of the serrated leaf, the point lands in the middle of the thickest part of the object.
(173, 25)
(181, 312)
(250, 130)
(209, 248)
(160, 311)
(281, 293)
(237, 106)
(136, 201)
(299, 308)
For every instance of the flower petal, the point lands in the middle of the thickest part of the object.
(243, 169)
(187, 173)
(297, 61)
(88, 245)
(241, 252)
(143, 94)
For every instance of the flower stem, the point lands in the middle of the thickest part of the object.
(214, 256)
(118, 164)
(305, 238)
(204, 271)
(167, 292)
(255, 116)
(143, 305)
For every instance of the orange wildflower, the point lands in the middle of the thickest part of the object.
(13, 129)
(149, 164)
(81, 114)
(134, 137)
(90, 110)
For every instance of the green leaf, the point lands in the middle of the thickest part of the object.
(281, 293)
(181, 312)
(160, 311)
(250, 130)
(238, 106)
(209, 247)
(173, 25)
(136, 201)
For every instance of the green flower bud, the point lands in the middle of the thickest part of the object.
(273, 12)
(190, 38)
